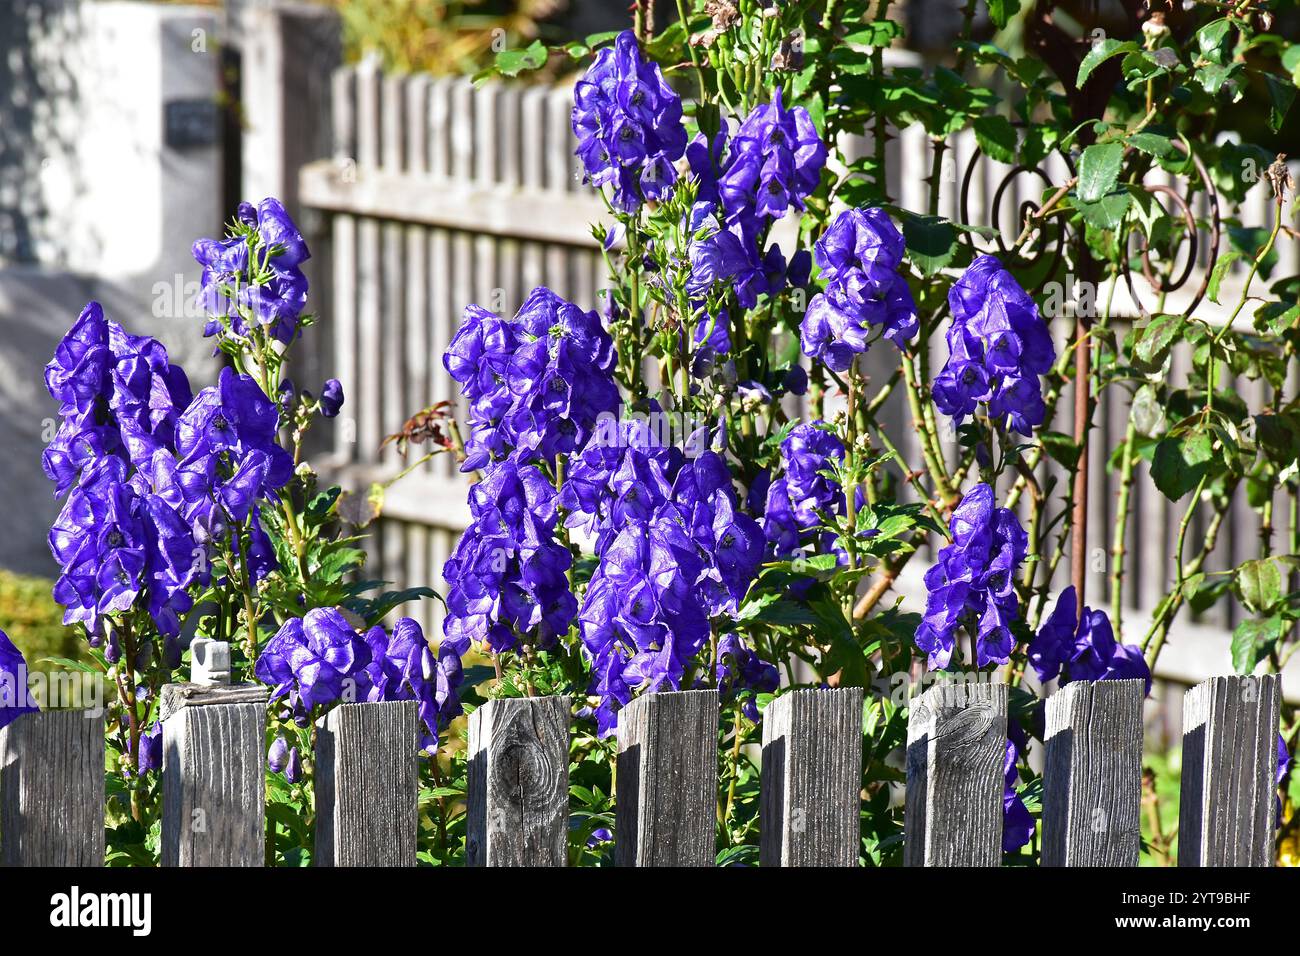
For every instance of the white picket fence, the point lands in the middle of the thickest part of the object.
(440, 195)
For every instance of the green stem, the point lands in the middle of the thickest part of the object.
(1117, 549)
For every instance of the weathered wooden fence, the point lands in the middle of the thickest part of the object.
(367, 787)
(440, 195)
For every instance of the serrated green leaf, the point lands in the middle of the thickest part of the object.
(1252, 641)
(1099, 54)
(931, 242)
(1281, 94)
(996, 137)
(1099, 170)
(1221, 267)
(1260, 584)
(1180, 462)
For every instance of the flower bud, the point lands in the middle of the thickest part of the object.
(277, 758)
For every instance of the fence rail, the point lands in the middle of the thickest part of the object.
(367, 787)
(440, 194)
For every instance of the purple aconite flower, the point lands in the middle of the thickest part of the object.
(859, 257)
(1017, 822)
(254, 272)
(793, 502)
(114, 543)
(151, 748)
(277, 758)
(117, 393)
(774, 162)
(331, 398)
(402, 667)
(628, 122)
(972, 584)
(14, 697)
(314, 660)
(536, 384)
(1083, 650)
(229, 454)
(998, 346)
(740, 672)
(672, 549)
(507, 576)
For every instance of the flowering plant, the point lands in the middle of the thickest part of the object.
(196, 515)
(718, 494)
(811, 435)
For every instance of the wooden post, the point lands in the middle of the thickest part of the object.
(519, 783)
(367, 785)
(812, 778)
(1092, 782)
(667, 780)
(214, 752)
(52, 790)
(956, 741)
(1228, 805)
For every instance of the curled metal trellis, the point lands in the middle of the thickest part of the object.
(1191, 238)
(1033, 251)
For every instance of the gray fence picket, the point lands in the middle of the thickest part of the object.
(666, 800)
(956, 740)
(367, 785)
(1092, 782)
(52, 790)
(519, 783)
(214, 786)
(1228, 803)
(812, 778)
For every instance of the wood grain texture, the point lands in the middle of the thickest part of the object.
(1228, 805)
(666, 800)
(519, 783)
(812, 778)
(1092, 780)
(956, 740)
(367, 785)
(52, 790)
(214, 750)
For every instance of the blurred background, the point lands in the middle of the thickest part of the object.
(130, 128)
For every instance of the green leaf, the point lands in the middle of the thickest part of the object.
(878, 34)
(1001, 11)
(1099, 170)
(1180, 462)
(1221, 267)
(1212, 39)
(996, 138)
(1253, 639)
(1099, 54)
(1060, 448)
(1107, 212)
(932, 242)
(1157, 338)
(1260, 584)
(513, 62)
(1281, 94)
(1153, 144)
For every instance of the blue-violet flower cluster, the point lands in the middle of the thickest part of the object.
(859, 257)
(628, 122)
(1076, 646)
(972, 584)
(998, 346)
